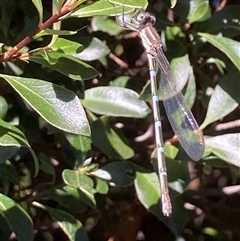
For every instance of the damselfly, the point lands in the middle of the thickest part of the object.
(179, 115)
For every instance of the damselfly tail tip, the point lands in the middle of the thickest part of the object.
(167, 214)
(166, 207)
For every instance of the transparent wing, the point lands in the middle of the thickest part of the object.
(179, 115)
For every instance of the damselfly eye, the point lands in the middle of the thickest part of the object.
(146, 18)
(140, 16)
(153, 19)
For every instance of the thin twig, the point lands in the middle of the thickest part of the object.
(11, 54)
(221, 5)
(121, 63)
(227, 125)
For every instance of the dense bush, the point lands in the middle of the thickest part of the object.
(76, 129)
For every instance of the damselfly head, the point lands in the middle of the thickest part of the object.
(146, 18)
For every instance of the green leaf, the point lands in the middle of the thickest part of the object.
(131, 3)
(101, 186)
(3, 107)
(225, 98)
(57, 5)
(54, 32)
(71, 199)
(148, 190)
(170, 152)
(180, 67)
(70, 225)
(7, 14)
(199, 11)
(213, 162)
(76, 179)
(67, 65)
(108, 141)
(5, 230)
(9, 171)
(146, 92)
(83, 183)
(117, 173)
(7, 152)
(94, 49)
(57, 105)
(179, 217)
(67, 46)
(99, 8)
(106, 25)
(46, 164)
(181, 9)
(11, 137)
(221, 66)
(223, 21)
(190, 93)
(115, 101)
(120, 81)
(82, 145)
(173, 3)
(225, 147)
(87, 196)
(178, 174)
(17, 218)
(56, 8)
(109, 8)
(39, 7)
(226, 45)
(68, 197)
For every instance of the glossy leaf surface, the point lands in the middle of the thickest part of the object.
(228, 46)
(70, 225)
(106, 139)
(226, 147)
(115, 101)
(116, 173)
(57, 105)
(17, 218)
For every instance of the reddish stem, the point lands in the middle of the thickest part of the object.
(11, 54)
